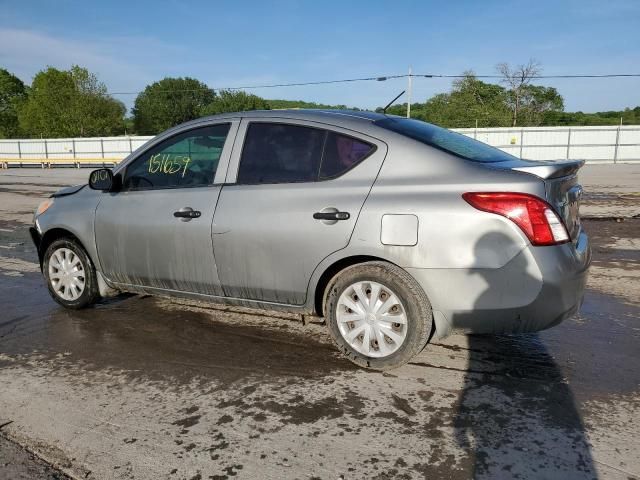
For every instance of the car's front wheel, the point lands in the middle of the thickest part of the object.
(70, 275)
(378, 315)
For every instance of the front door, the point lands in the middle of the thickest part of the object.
(295, 200)
(156, 231)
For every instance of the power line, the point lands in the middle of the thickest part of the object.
(607, 75)
(298, 84)
(321, 82)
(388, 77)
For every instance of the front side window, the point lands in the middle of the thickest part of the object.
(443, 139)
(189, 159)
(280, 153)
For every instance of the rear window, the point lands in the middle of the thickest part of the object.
(446, 140)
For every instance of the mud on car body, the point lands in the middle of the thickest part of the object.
(393, 229)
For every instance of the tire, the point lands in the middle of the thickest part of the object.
(385, 280)
(79, 287)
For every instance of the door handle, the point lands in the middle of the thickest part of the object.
(331, 215)
(187, 213)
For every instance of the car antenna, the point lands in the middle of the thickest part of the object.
(384, 110)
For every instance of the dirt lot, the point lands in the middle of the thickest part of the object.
(147, 388)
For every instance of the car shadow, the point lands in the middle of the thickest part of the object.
(517, 416)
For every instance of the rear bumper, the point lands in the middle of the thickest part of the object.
(537, 289)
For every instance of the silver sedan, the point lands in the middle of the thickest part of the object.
(392, 229)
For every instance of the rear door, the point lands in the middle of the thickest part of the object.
(156, 231)
(292, 198)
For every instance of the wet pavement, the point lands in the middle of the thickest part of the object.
(610, 190)
(17, 463)
(144, 387)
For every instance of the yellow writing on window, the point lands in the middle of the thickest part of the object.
(169, 164)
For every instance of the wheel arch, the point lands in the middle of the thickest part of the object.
(54, 234)
(320, 291)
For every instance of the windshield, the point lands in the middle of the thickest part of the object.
(446, 140)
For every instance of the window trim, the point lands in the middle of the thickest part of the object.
(283, 122)
(223, 161)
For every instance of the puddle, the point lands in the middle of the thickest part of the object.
(141, 339)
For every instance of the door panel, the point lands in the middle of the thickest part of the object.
(156, 232)
(266, 240)
(141, 242)
(272, 243)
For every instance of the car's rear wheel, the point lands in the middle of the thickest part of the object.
(378, 315)
(70, 275)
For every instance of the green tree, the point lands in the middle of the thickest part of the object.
(535, 102)
(169, 102)
(70, 103)
(129, 127)
(629, 116)
(282, 104)
(12, 94)
(528, 102)
(235, 101)
(470, 99)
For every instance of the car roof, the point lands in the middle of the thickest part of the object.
(303, 114)
(356, 120)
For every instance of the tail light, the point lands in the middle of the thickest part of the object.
(535, 217)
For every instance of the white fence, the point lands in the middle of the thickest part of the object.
(68, 151)
(593, 144)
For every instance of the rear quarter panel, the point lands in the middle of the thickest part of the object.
(452, 236)
(429, 183)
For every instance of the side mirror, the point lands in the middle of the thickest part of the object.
(101, 179)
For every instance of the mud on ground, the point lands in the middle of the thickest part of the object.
(142, 387)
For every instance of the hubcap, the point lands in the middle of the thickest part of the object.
(372, 319)
(66, 274)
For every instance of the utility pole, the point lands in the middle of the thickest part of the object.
(409, 96)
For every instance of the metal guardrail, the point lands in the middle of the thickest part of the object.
(51, 162)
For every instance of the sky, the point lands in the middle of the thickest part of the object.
(237, 43)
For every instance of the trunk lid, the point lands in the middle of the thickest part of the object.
(562, 189)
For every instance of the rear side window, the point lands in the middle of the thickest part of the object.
(443, 139)
(341, 153)
(276, 153)
(281, 153)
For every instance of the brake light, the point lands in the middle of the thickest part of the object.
(535, 217)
